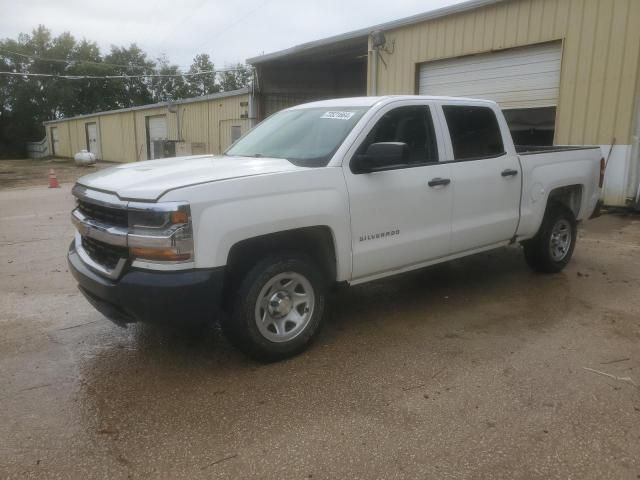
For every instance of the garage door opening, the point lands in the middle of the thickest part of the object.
(524, 81)
(306, 74)
(532, 126)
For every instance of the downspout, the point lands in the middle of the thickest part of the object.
(374, 71)
(179, 132)
(252, 100)
(99, 137)
(373, 67)
(135, 136)
(69, 137)
(252, 109)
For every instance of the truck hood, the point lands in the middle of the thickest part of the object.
(151, 179)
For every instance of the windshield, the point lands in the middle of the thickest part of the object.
(307, 136)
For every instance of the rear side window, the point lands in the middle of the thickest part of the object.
(474, 132)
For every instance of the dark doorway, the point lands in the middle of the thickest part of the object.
(532, 126)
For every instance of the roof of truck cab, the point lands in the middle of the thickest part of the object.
(370, 101)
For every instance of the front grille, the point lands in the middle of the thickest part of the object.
(103, 253)
(102, 214)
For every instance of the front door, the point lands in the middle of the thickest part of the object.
(400, 217)
(92, 139)
(485, 179)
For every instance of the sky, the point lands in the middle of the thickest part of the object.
(229, 31)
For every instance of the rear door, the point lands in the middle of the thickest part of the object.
(92, 139)
(485, 175)
(399, 216)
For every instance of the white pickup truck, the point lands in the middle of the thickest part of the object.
(347, 190)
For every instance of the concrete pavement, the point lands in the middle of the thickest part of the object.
(473, 369)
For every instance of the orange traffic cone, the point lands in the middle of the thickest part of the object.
(53, 180)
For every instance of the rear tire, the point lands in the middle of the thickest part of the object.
(278, 307)
(552, 247)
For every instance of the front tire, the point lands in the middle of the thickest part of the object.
(552, 247)
(278, 307)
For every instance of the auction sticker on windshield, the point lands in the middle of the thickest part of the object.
(338, 115)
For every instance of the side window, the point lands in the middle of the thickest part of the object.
(410, 125)
(474, 131)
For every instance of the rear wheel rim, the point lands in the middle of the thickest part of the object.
(284, 307)
(560, 241)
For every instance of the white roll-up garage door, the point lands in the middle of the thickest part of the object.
(523, 77)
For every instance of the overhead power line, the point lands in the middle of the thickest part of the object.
(116, 77)
(60, 60)
(86, 62)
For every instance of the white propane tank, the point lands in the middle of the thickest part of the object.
(84, 158)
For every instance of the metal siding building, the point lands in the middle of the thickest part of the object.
(205, 126)
(598, 83)
(576, 60)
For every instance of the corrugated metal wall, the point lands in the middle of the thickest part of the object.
(222, 115)
(194, 122)
(117, 136)
(123, 135)
(601, 47)
(274, 102)
(225, 130)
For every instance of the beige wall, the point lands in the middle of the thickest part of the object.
(222, 115)
(601, 49)
(63, 148)
(123, 136)
(117, 136)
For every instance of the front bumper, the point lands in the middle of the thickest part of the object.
(177, 297)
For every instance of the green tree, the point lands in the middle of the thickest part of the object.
(87, 95)
(26, 102)
(238, 76)
(130, 92)
(165, 89)
(204, 84)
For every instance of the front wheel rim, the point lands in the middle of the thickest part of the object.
(284, 306)
(560, 241)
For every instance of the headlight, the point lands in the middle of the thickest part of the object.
(160, 232)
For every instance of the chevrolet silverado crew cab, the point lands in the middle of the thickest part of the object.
(347, 190)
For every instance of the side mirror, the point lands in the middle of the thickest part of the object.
(380, 156)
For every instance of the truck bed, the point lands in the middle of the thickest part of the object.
(546, 169)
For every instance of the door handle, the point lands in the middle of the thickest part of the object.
(434, 182)
(509, 172)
